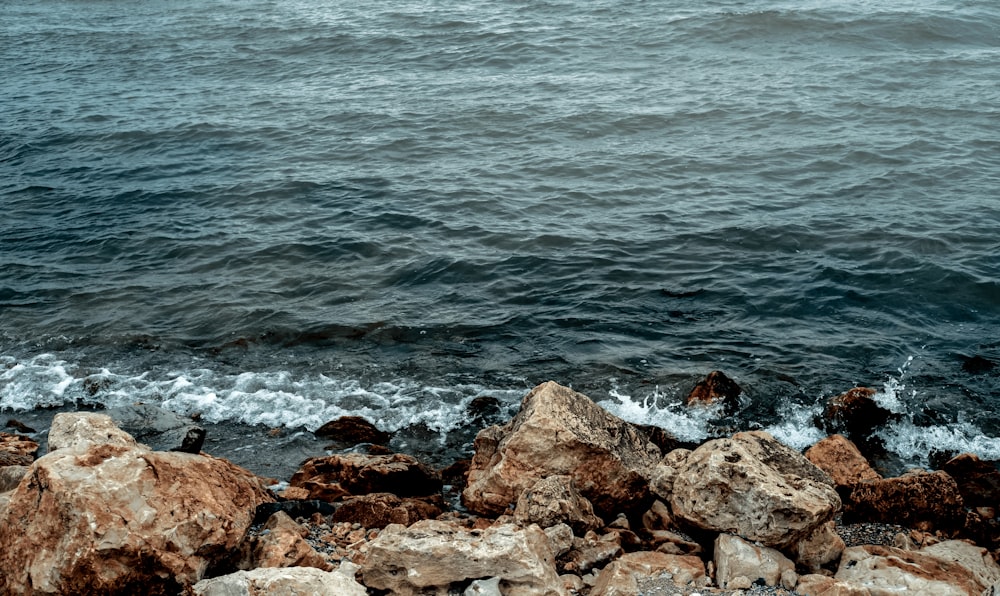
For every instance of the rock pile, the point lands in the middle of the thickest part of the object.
(565, 499)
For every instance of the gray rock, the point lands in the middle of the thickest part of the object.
(161, 429)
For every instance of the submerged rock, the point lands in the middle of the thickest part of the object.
(348, 431)
(561, 432)
(716, 387)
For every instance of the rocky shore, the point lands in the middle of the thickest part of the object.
(564, 499)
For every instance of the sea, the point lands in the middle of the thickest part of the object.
(267, 214)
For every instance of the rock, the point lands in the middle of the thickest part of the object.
(560, 538)
(753, 486)
(735, 557)
(661, 481)
(839, 457)
(10, 477)
(114, 519)
(335, 476)
(484, 587)
(17, 450)
(160, 429)
(663, 439)
(821, 547)
(561, 432)
(555, 500)
(821, 585)
(857, 413)
(19, 426)
(291, 581)
(348, 431)
(978, 481)
(294, 509)
(886, 571)
(378, 510)
(975, 559)
(714, 388)
(621, 577)
(281, 543)
(591, 552)
(673, 543)
(431, 555)
(657, 517)
(930, 499)
(72, 429)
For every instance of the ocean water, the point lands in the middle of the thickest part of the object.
(273, 213)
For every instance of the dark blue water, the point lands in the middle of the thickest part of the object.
(279, 212)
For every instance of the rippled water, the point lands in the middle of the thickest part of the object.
(277, 212)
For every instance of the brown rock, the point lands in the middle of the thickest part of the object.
(886, 571)
(19, 426)
(661, 481)
(378, 510)
(334, 476)
(820, 548)
(735, 557)
(621, 577)
(821, 585)
(714, 388)
(590, 552)
(555, 500)
(657, 518)
(17, 450)
(753, 486)
(978, 481)
(840, 458)
(348, 431)
(926, 498)
(857, 413)
(112, 519)
(561, 432)
(282, 543)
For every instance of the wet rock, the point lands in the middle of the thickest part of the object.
(19, 426)
(735, 557)
(561, 432)
(17, 450)
(160, 429)
(555, 500)
(292, 581)
(918, 499)
(118, 519)
(887, 571)
(74, 429)
(978, 481)
(663, 439)
(10, 477)
(348, 431)
(839, 457)
(335, 476)
(716, 387)
(484, 410)
(820, 548)
(856, 412)
(753, 486)
(281, 543)
(378, 510)
(621, 577)
(442, 553)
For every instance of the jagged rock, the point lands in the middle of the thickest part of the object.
(714, 388)
(335, 476)
(17, 450)
(735, 557)
(484, 587)
(19, 426)
(657, 517)
(857, 413)
(10, 477)
(591, 552)
(281, 543)
(71, 429)
(978, 481)
(661, 481)
(886, 571)
(821, 547)
(378, 510)
(930, 499)
(839, 457)
(621, 577)
(348, 431)
(290, 581)
(158, 428)
(430, 555)
(555, 500)
(663, 439)
(294, 509)
(821, 585)
(560, 538)
(753, 486)
(561, 432)
(117, 519)
(672, 543)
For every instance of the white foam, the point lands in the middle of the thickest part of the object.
(914, 443)
(797, 428)
(682, 422)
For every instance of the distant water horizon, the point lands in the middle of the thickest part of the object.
(276, 213)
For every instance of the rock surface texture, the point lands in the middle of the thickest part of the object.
(737, 558)
(888, 571)
(292, 581)
(336, 476)
(561, 432)
(113, 518)
(753, 486)
(554, 500)
(839, 457)
(930, 499)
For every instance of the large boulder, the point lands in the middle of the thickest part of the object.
(978, 480)
(561, 432)
(430, 555)
(289, 581)
(753, 486)
(378, 510)
(951, 569)
(930, 500)
(336, 476)
(117, 519)
(839, 457)
(857, 413)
